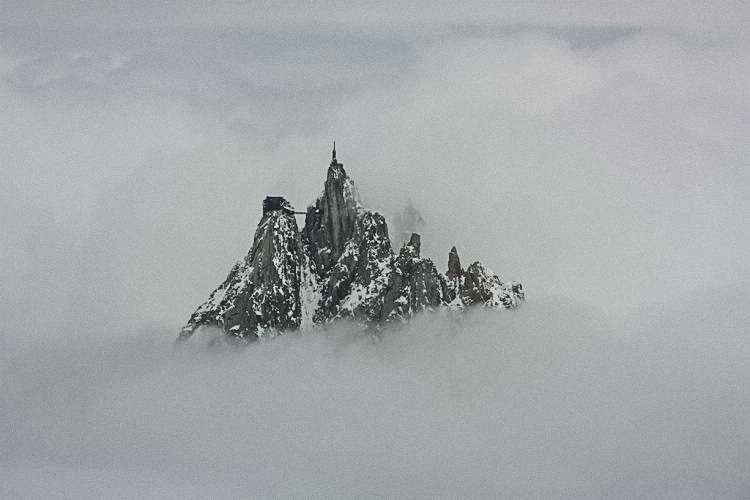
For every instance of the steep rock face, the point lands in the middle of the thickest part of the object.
(341, 265)
(454, 265)
(262, 291)
(415, 284)
(356, 283)
(331, 222)
(350, 251)
(452, 282)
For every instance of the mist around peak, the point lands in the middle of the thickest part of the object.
(552, 400)
(595, 151)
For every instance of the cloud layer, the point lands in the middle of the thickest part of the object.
(597, 154)
(601, 163)
(550, 401)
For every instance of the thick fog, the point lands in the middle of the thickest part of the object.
(551, 401)
(596, 153)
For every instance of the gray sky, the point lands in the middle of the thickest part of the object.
(595, 151)
(592, 152)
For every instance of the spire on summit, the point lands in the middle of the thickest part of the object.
(334, 161)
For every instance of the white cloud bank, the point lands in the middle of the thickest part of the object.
(550, 401)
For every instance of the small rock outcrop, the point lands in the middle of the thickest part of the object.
(341, 265)
(415, 284)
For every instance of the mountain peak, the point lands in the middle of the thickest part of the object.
(340, 265)
(331, 220)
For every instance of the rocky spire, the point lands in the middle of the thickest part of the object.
(331, 221)
(414, 285)
(414, 245)
(340, 265)
(454, 265)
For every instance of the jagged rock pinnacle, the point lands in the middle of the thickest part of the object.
(415, 243)
(415, 284)
(340, 265)
(454, 265)
(331, 221)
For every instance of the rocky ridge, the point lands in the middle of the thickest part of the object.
(340, 265)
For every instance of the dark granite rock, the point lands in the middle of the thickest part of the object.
(452, 282)
(454, 265)
(355, 286)
(480, 286)
(341, 265)
(261, 292)
(415, 284)
(330, 223)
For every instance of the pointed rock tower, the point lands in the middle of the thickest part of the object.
(341, 265)
(350, 249)
(331, 221)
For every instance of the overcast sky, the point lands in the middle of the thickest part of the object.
(597, 152)
(589, 151)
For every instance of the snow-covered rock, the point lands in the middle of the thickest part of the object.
(331, 221)
(355, 285)
(341, 265)
(415, 284)
(477, 285)
(262, 292)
